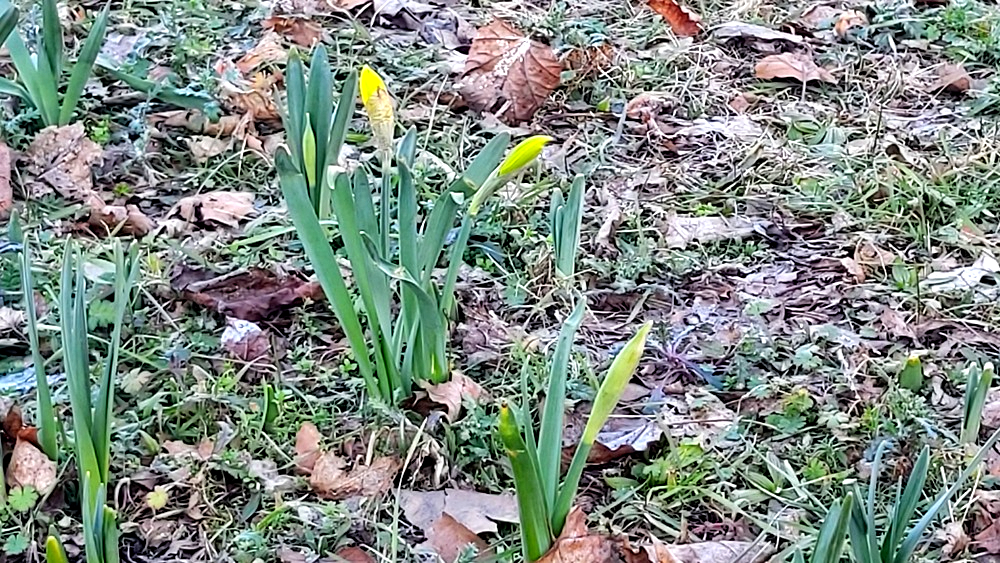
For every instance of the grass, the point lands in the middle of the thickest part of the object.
(804, 354)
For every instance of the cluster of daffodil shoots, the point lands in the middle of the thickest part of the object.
(393, 243)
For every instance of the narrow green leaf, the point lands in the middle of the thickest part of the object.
(321, 256)
(8, 21)
(51, 38)
(833, 532)
(12, 88)
(342, 117)
(916, 533)
(181, 98)
(536, 535)
(319, 106)
(442, 217)
(295, 100)
(47, 425)
(976, 389)
(551, 430)
(49, 90)
(407, 202)
(41, 88)
(907, 504)
(110, 525)
(610, 392)
(84, 66)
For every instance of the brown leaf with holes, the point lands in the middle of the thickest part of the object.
(253, 295)
(307, 447)
(332, 481)
(29, 467)
(798, 66)
(508, 73)
(683, 21)
(301, 31)
(215, 209)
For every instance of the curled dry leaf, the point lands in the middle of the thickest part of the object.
(29, 467)
(267, 51)
(197, 122)
(252, 95)
(10, 319)
(798, 66)
(330, 480)
(848, 20)
(683, 21)
(253, 295)
(508, 73)
(215, 209)
(301, 31)
(450, 393)
(709, 552)
(307, 447)
(245, 340)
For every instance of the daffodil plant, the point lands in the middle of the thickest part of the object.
(40, 74)
(92, 412)
(543, 501)
(565, 217)
(899, 536)
(401, 334)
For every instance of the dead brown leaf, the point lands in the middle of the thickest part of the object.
(853, 268)
(819, 16)
(245, 340)
(847, 20)
(307, 447)
(508, 73)
(203, 451)
(6, 190)
(215, 209)
(680, 231)
(251, 96)
(353, 555)
(952, 78)
(449, 538)
(29, 467)
(330, 480)
(478, 512)
(798, 66)
(253, 295)
(196, 122)
(301, 31)
(710, 552)
(683, 21)
(267, 51)
(203, 148)
(60, 159)
(577, 545)
(450, 393)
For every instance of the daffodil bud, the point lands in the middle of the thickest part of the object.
(378, 105)
(309, 152)
(523, 154)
